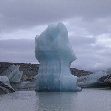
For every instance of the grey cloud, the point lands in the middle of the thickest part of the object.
(79, 40)
(88, 56)
(86, 20)
(21, 50)
(94, 27)
(17, 44)
(23, 13)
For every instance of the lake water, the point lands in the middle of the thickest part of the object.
(87, 100)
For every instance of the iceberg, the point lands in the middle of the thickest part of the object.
(92, 80)
(13, 73)
(53, 51)
(5, 86)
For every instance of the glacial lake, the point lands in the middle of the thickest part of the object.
(86, 100)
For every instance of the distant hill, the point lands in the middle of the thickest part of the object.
(30, 70)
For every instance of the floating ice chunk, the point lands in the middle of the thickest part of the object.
(5, 80)
(13, 73)
(53, 51)
(90, 80)
(5, 86)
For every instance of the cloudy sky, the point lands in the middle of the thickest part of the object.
(88, 23)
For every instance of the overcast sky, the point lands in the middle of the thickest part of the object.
(88, 23)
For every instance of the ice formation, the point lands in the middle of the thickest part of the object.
(5, 86)
(5, 80)
(92, 78)
(53, 51)
(13, 73)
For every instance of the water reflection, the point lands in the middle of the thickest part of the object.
(86, 100)
(56, 101)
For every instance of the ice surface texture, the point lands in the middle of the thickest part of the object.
(5, 80)
(13, 73)
(92, 78)
(53, 51)
(5, 86)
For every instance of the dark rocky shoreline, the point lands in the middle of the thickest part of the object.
(31, 70)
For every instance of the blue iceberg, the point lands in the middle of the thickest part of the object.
(53, 51)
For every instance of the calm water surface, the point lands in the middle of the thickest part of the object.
(87, 100)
